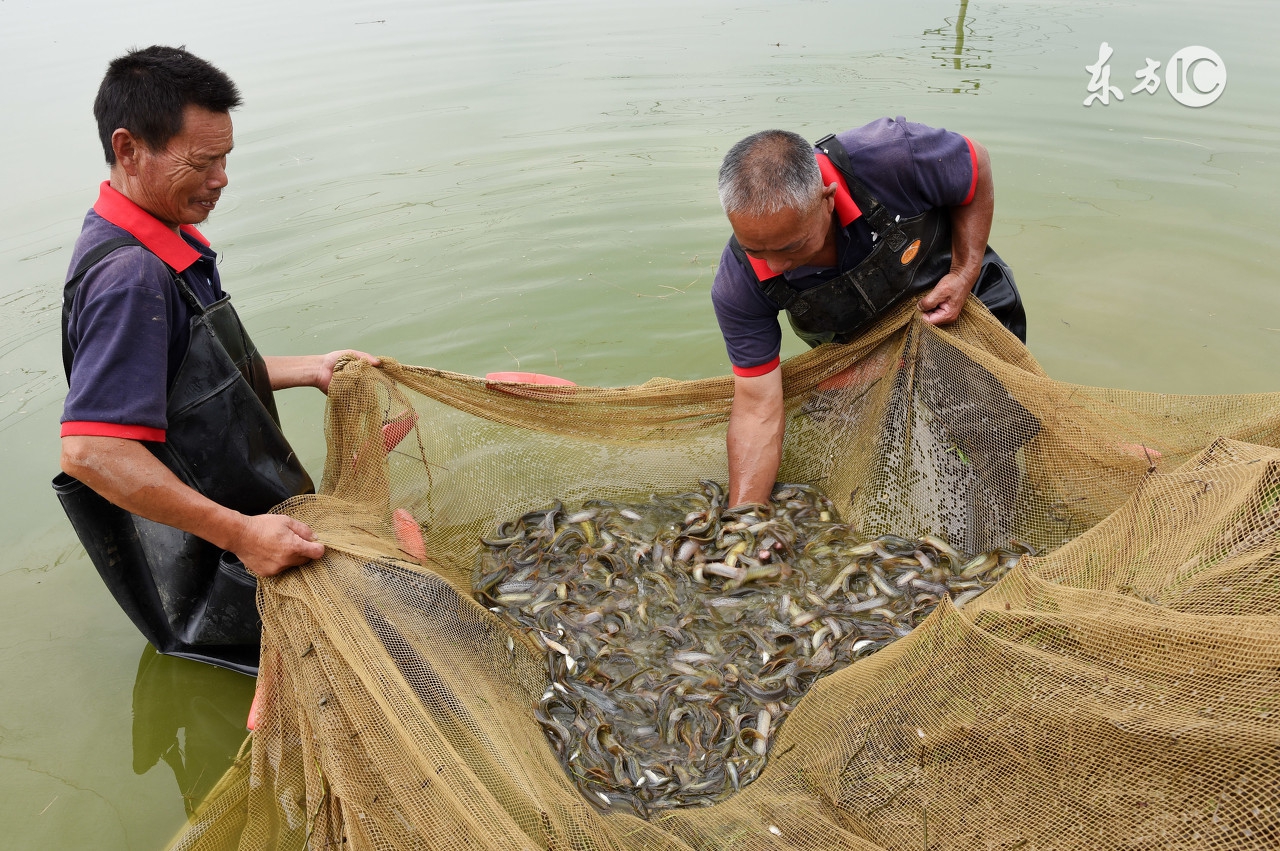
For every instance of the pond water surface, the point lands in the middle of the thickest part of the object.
(530, 185)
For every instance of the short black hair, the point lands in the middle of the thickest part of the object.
(145, 92)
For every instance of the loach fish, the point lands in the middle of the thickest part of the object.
(679, 633)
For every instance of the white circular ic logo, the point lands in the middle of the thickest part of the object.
(1195, 76)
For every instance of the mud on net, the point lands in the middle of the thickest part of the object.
(1121, 690)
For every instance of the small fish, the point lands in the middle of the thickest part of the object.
(943, 547)
(677, 639)
(687, 550)
(556, 646)
(867, 605)
(728, 571)
(763, 721)
(978, 566)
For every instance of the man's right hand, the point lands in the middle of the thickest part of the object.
(125, 473)
(270, 544)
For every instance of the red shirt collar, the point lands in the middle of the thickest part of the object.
(147, 229)
(846, 210)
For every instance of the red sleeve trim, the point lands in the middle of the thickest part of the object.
(753, 371)
(973, 183)
(128, 432)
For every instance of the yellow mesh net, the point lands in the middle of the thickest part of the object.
(1122, 690)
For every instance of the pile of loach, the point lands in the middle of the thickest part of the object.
(679, 634)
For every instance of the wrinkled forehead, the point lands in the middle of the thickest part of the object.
(205, 131)
(784, 230)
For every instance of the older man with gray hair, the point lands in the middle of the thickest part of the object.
(837, 235)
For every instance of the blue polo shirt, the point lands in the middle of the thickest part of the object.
(909, 167)
(129, 326)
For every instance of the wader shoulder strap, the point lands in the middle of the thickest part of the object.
(92, 258)
(876, 214)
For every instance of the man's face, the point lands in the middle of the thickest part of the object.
(789, 238)
(180, 184)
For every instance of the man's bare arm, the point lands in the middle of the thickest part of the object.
(970, 230)
(128, 475)
(756, 426)
(308, 370)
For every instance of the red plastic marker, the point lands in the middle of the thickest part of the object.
(528, 378)
(255, 708)
(409, 534)
(394, 430)
(397, 428)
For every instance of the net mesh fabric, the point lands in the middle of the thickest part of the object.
(1120, 690)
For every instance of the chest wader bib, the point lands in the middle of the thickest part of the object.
(908, 256)
(188, 597)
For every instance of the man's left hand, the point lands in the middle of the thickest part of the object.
(309, 370)
(942, 304)
(329, 361)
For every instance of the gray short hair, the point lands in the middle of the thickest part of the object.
(769, 171)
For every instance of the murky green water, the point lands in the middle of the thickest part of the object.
(530, 185)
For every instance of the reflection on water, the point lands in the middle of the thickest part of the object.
(189, 716)
(959, 29)
(958, 59)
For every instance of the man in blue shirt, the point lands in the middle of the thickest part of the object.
(838, 236)
(169, 414)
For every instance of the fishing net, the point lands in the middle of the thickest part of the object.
(1121, 690)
